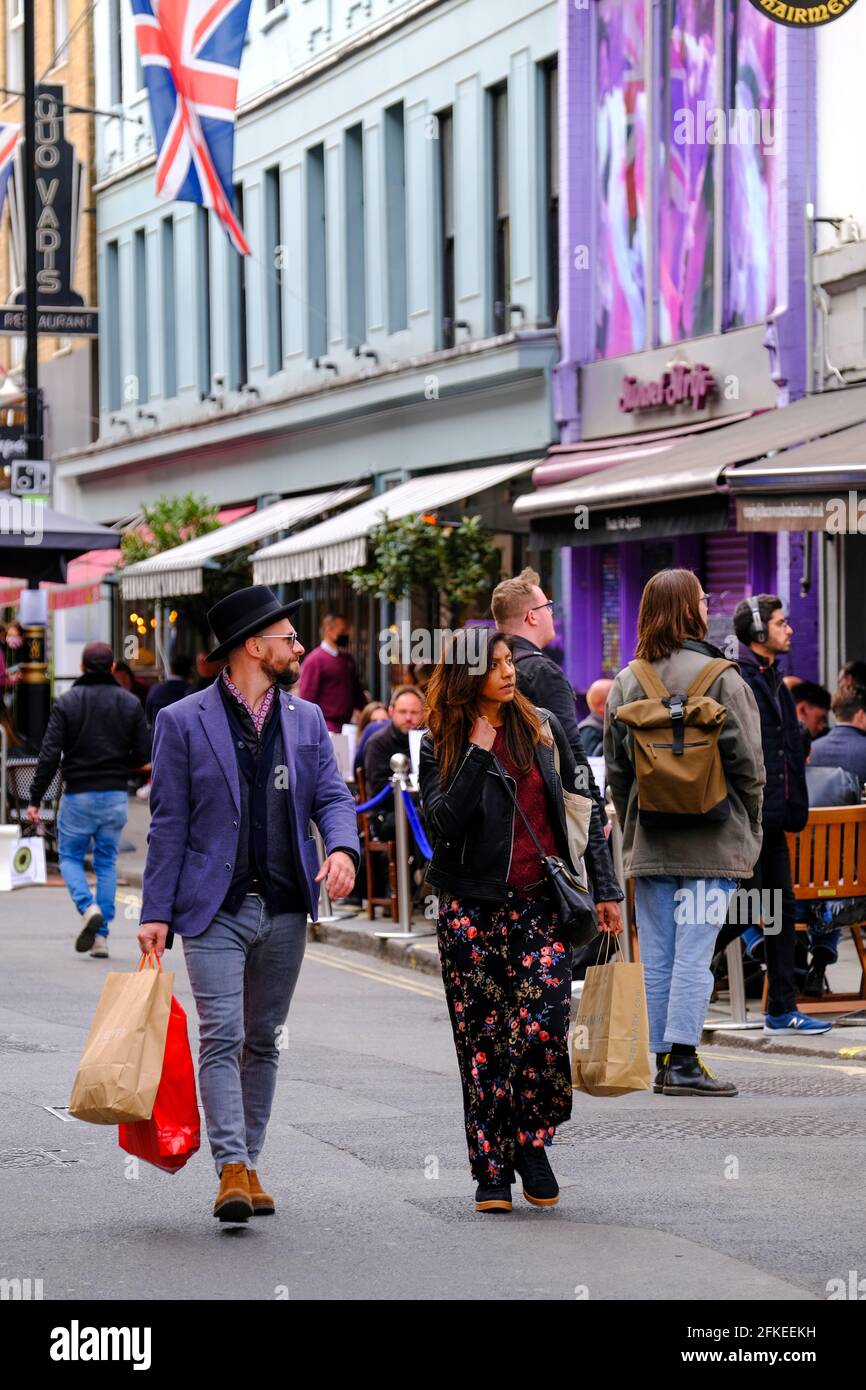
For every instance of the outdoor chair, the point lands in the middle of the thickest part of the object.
(371, 846)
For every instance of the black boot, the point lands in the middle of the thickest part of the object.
(539, 1185)
(490, 1198)
(815, 985)
(662, 1060)
(689, 1076)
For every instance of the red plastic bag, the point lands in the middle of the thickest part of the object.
(173, 1133)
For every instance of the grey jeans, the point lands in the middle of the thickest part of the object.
(243, 969)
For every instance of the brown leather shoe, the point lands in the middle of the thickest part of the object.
(233, 1199)
(263, 1202)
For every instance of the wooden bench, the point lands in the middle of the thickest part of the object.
(828, 861)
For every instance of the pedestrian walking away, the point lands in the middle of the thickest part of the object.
(98, 735)
(506, 959)
(685, 868)
(239, 771)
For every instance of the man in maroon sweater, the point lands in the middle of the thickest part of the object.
(329, 676)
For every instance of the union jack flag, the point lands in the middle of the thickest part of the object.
(190, 53)
(9, 136)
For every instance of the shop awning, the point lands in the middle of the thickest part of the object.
(836, 461)
(693, 466)
(341, 543)
(180, 571)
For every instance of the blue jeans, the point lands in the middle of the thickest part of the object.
(678, 920)
(243, 969)
(97, 817)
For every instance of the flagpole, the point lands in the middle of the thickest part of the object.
(34, 420)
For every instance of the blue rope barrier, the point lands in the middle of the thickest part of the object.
(417, 829)
(374, 800)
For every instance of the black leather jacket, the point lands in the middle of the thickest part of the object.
(471, 821)
(99, 731)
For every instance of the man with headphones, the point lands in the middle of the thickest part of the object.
(765, 634)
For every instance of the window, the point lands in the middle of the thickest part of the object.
(112, 325)
(15, 45)
(203, 264)
(550, 189)
(238, 303)
(61, 31)
(395, 205)
(445, 130)
(141, 310)
(274, 270)
(317, 273)
(115, 55)
(169, 309)
(500, 194)
(356, 296)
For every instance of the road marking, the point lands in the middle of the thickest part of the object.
(788, 1061)
(380, 978)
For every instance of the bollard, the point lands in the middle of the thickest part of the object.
(740, 1018)
(399, 767)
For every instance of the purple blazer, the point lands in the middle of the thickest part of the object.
(195, 807)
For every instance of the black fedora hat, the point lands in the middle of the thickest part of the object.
(243, 614)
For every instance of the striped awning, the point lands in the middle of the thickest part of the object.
(181, 570)
(340, 543)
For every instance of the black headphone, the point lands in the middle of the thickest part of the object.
(759, 631)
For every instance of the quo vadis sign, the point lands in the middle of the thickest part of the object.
(60, 190)
(679, 385)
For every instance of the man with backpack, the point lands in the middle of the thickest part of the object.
(682, 752)
(765, 634)
(100, 732)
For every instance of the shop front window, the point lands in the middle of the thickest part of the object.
(751, 214)
(620, 178)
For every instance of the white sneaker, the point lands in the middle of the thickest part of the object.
(100, 947)
(91, 921)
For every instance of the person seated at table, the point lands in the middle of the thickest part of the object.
(374, 717)
(405, 712)
(812, 703)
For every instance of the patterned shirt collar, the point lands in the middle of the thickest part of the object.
(257, 716)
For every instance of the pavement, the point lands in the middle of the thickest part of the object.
(352, 930)
(675, 1199)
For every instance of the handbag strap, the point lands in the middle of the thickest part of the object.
(534, 837)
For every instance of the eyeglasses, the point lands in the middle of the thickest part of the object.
(549, 605)
(280, 637)
(708, 599)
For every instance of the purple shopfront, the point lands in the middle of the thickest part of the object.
(686, 141)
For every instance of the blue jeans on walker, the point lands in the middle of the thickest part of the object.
(243, 969)
(678, 920)
(95, 818)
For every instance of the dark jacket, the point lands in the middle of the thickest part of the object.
(99, 731)
(471, 821)
(591, 730)
(546, 685)
(378, 752)
(166, 692)
(786, 801)
(844, 746)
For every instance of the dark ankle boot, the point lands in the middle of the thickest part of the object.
(689, 1076)
(540, 1187)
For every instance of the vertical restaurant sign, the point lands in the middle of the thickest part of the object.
(60, 190)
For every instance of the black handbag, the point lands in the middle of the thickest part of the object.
(574, 906)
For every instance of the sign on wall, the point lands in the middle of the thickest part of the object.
(60, 190)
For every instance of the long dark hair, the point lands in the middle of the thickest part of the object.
(453, 703)
(669, 614)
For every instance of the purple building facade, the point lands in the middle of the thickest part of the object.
(687, 149)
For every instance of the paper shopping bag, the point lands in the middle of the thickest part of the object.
(173, 1133)
(610, 1038)
(28, 861)
(121, 1065)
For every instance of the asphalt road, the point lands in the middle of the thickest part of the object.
(759, 1197)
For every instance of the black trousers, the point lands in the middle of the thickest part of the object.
(507, 975)
(772, 875)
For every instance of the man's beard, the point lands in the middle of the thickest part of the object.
(286, 678)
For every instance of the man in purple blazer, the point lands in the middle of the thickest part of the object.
(239, 771)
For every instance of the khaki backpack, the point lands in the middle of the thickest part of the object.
(675, 741)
